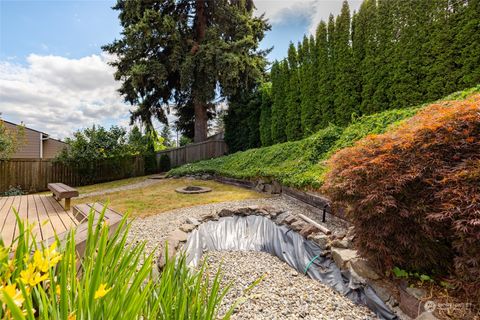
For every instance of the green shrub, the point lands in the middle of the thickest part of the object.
(297, 163)
(413, 193)
(113, 280)
(165, 164)
(13, 191)
(150, 161)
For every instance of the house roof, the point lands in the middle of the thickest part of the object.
(47, 136)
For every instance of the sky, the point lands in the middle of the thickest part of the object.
(55, 78)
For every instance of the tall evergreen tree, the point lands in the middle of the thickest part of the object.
(166, 134)
(308, 86)
(469, 44)
(324, 75)
(394, 53)
(279, 87)
(242, 129)
(365, 50)
(346, 99)
(382, 78)
(183, 51)
(294, 126)
(409, 59)
(266, 114)
(441, 74)
(331, 68)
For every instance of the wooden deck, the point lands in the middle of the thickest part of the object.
(47, 215)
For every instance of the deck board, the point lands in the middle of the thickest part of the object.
(4, 212)
(67, 217)
(55, 219)
(10, 221)
(49, 218)
(43, 211)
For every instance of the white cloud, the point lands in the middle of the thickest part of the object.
(58, 95)
(279, 11)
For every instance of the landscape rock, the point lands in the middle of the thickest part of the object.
(410, 304)
(356, 280)
(187, 227)
(260, 186)
(418, 293)
(282, 217)
(298, 225)
(290, 219)
(392, 302)
(362, 268)
(172, 251)
(276, 187)
(263, 212)
(268, 188)
(193, 221)
(350, 232)
(209, 216)
(178, 235)
(342, 256)
(340, 235)
(382, 291)
(426, 316)
(226, 213)
(274, 213)
(322, 240)
(343, 244)
(308, 230)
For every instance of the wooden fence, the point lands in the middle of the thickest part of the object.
(195, 152)
(34, 174)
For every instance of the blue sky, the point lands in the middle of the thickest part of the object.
(55, 78)
(76, 29)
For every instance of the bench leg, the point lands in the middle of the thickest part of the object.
(67, 203)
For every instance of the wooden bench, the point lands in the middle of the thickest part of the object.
(62, 191)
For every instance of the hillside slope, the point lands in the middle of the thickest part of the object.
(302, 163)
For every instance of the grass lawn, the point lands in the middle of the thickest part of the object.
(162, 197)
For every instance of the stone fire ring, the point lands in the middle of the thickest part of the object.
(193, 190)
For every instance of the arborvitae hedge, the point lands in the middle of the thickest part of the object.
(390, 54)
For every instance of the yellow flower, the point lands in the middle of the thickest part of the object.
(101, 291)
(49, 258)
(32, 277)
(72, 316)
(58, 290)
(40, 262)
(11, 291)
(52, 255)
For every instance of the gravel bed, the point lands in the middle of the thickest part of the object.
(283, 293)
(155, 229)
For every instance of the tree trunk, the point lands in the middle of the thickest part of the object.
(201, 119)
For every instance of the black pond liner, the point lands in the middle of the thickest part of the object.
(256, 233)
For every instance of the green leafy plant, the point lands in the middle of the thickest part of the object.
(401, 273)
(10, 140)
(14, 191)
(165, 164)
